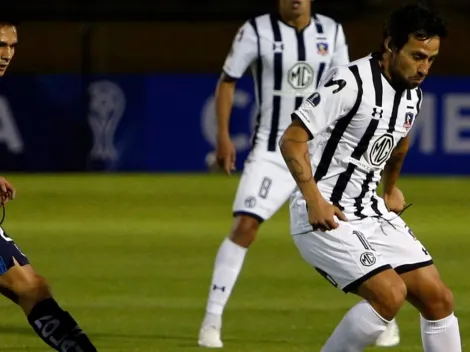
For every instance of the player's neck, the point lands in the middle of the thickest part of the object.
(384, 64)
(298, 23)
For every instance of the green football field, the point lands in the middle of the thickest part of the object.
(131, 257)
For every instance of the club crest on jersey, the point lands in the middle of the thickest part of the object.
(278, 47)
(409, 117)
(322, 48)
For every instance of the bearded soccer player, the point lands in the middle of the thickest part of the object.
(359, 121)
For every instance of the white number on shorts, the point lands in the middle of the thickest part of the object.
(363, 240)
(265, 186)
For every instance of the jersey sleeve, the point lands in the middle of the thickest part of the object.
(341, 54)
(334, 98)
(243, 52)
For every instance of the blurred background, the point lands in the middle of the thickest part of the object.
(106, 85)
(106, 120)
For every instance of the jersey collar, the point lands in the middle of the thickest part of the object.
(279, 18)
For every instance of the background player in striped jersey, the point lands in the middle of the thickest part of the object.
(288, 53)
(18, 280)
(359, 119)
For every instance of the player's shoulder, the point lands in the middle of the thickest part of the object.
(342, 79)
(260, 21)
(251, 27)
(355, 69)
(263, 17)
(329, 24)
(346, 72)
(361, 62)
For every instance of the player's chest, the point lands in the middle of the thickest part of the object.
(394, 117)
(376, 130)
(297, 52)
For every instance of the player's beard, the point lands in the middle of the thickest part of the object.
(399, 81)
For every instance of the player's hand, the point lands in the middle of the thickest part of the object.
(395, 200)
(7, 192)
(226, 154)
(321, 215)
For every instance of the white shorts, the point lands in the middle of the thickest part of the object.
(360, 249)
(265, 185)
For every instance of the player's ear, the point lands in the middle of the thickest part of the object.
(388, 43)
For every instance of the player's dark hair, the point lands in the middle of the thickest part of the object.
(416, 20)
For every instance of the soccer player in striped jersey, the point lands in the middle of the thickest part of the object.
(359, 119)
(288, 53)
(18, 280)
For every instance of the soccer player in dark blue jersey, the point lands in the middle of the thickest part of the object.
(18, 280)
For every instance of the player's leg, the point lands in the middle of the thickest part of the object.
(439, 326)
(264, 187)
(426, 291)
(384, 294)
(350, 263)
(20, 283)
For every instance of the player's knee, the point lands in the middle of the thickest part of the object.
(396, 296)
(34, 288)
(446, 301)
(386, 293)
(439, 302)
(392, 299)
(244, 230)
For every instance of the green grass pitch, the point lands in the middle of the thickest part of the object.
(130, 256)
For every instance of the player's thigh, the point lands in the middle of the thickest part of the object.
(343, 256)
(264, 187)
(428, 293)
(399, 246)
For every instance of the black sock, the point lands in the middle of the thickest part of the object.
(58, 329)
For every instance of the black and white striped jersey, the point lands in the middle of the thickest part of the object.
(356, 119)
(287, 66)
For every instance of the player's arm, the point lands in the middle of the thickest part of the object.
(224, 94)
(394, 164)
(333, 99)
(244, 50)
(393, 196)
(341, 53)
(294, 149)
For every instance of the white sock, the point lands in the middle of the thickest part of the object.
(441, 335)
(228, 263)
(360, 327)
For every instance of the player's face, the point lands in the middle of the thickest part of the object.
(294, 8)
(8, 40)
(411, 65)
